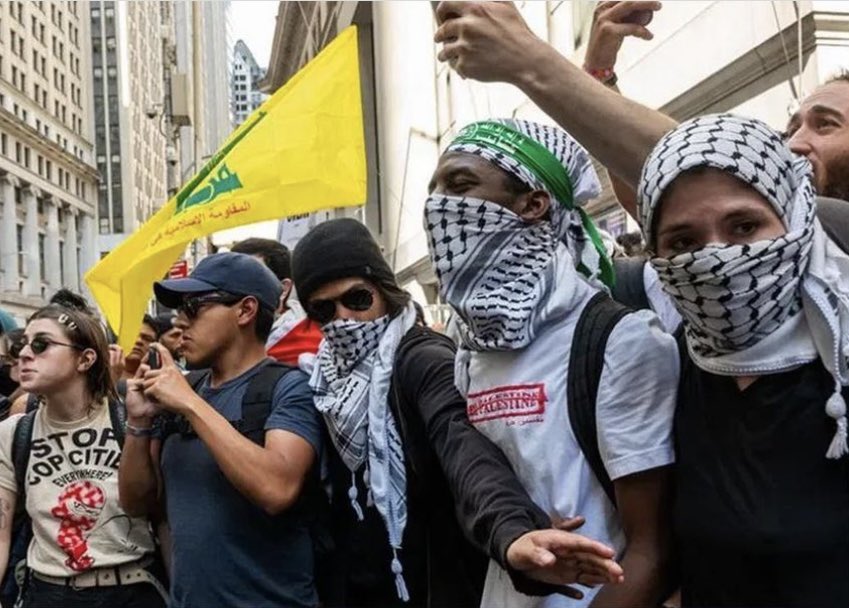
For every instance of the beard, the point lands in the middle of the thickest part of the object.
(837, 178)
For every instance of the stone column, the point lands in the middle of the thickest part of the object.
(32, 283)
(88, 250)
(51, 245)
(9, 234)
(71, 279)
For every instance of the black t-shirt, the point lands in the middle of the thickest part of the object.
(761, 516)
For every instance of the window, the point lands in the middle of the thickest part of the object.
(26, 157)
(18, 152)
(3, 144)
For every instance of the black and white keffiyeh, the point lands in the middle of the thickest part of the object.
(763, 307)
(493, 268)
(567, 223)
(500, 273)
(350, 382)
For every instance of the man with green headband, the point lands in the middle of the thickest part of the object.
(524, 269)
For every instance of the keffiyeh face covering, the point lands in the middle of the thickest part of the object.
(547, 158)
(762, 307)
(350, 383)
(493, 269)
(497, 271)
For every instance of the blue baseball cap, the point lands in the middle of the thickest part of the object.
(235, 273)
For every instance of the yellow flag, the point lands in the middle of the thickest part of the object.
(301, 151)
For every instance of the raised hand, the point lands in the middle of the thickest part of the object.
(167, 385)
(487, 41)
(612, 23)
(140, 409)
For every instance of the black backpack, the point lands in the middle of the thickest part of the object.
(586, 363)
(21, 525)
(256, 404)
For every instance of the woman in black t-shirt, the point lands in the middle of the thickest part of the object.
(762, 510)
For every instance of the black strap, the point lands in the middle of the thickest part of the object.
(630, 288)
(20, 457)
(118, 420)
(256, 403)
(586, 364)
(33, 401)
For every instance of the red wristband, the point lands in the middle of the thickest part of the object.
(603, 75)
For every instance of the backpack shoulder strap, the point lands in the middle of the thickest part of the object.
(32, 402)
(256, 402)
(630, 288)
(118, 419)
(586, 363)
(20, 455)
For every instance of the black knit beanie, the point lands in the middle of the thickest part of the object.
(337, 249)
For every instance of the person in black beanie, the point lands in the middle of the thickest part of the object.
(406, 458)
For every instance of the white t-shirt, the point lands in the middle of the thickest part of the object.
(72, 495)
(518, 400)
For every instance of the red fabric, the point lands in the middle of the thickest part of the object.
(304, 337)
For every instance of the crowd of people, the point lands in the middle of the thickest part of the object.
(663, 427)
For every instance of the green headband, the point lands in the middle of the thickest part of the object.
(548, 169)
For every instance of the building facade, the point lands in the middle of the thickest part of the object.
(48, 176)
(132, 53)
(754, 58)
(246, 75)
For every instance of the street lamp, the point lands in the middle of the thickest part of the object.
(169, 132)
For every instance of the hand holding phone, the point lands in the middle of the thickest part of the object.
(153, 360)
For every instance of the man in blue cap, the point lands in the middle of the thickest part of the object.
(236, 448)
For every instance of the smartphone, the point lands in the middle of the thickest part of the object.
(153, 360)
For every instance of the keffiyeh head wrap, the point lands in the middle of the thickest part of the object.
(766, 306)
(497, 271)
(350, 382)
(547, 158)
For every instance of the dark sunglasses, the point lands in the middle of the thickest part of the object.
(358, 299)
(38, 345)
(191, 305)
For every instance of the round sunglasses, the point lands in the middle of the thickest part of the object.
(358, 299)
(38, 345)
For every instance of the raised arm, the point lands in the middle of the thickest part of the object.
(139, 483)
(489, 41)
(612, 23)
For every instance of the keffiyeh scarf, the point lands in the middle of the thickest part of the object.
(547, 158)
(350, 383)
(767, 306)
(499, 272)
